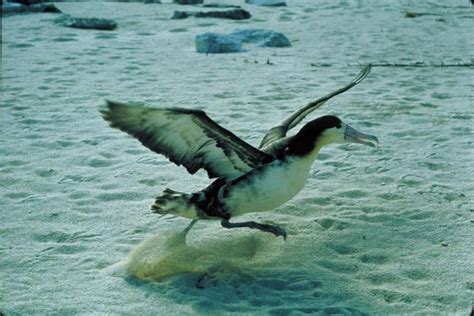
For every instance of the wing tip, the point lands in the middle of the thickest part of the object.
(105, 110)
(363, 73)
(110, 104)
(111, 109)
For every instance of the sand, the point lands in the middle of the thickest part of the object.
(375, 231)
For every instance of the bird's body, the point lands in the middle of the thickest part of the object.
(247, 179)
(267, 187)
(261, 189)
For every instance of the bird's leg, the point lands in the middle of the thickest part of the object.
(188, 228)
(275, 230)
(179, 239)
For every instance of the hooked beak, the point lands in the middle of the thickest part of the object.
(354, 136)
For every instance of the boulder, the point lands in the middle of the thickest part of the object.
(179, 15)
(10, 8)
(267, 3)
(221, 5)
(86, 23)
(188, 1)
(236, 14)
(263, 38)
(26, 2)
(214, 43)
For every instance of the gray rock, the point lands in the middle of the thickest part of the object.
(236, 14)
(86, 23)
(188, 1)
(214, 43)
(10, 8)
(27, 2)
(220, 5)
(267, 3)
(179, 15)
(262, 38)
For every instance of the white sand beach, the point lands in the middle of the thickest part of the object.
(385, 230)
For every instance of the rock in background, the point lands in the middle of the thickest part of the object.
(189, 2)
(236, 14)
(11, 8)
(215, 43)
(267, 3)
(86, 23)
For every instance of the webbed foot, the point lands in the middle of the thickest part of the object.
(275, 230)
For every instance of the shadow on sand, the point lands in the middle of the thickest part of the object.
(238, 274)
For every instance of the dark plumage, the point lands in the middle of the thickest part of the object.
(248, 179)
(186, 137)
(303, 142)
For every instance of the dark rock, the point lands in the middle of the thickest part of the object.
(179, 15)
(214, 43)
(409, 14)
(236, 14)
(25, 2)
(50, 8)
(10, 8)
(267, 3)
(86, 23)
(221, 5)
(188, 1)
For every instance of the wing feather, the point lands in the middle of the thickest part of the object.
(186, 137)
(278, 132)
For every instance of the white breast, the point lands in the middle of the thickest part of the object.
(268, 187)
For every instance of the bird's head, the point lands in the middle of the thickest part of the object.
(327, 130)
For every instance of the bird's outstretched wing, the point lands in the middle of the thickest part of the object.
(278, 132)
(186, 137)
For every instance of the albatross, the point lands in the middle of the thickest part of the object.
(246, 178)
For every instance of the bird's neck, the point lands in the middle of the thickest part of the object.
(313, 154)
(310, 156)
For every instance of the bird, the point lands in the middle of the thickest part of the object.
(245, 178)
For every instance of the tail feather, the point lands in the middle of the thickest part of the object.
(175, 203)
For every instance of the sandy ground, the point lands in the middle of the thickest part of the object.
(375, 231)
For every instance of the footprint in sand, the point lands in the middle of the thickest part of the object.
(65, 38)
(418, 215)
(383, 278)
(17, 195)
(64, 240)
(79, 195)
(342, 249)
(318, 311)
(105, 35)
(121, 196)
(45, 173)
(339, 267)
(416, 274)
(331, 223)
(178, 30)
(353, 194)
(390, 296)
(374, 258)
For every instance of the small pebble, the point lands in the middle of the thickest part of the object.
(444, 244)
